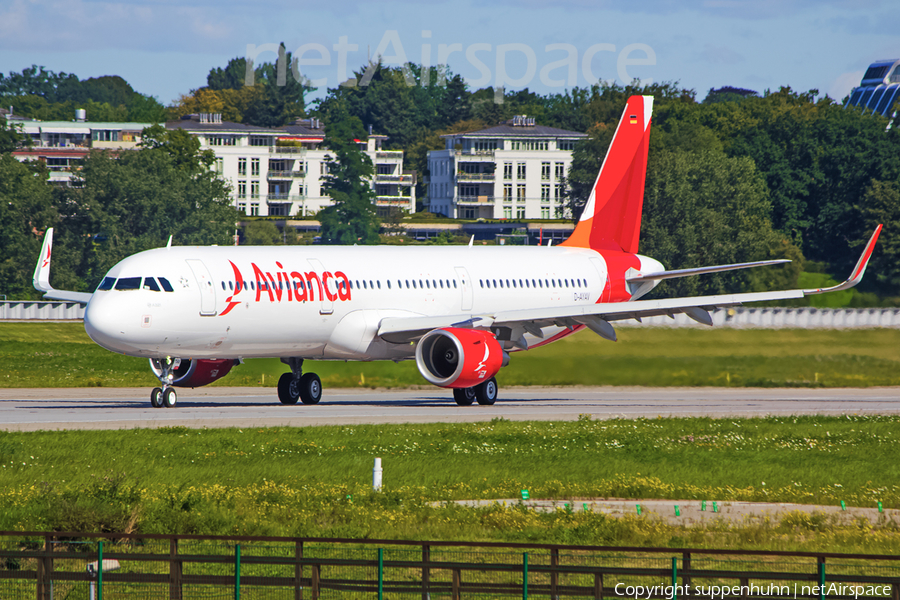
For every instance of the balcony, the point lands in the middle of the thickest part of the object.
(284, 198)
(398, 154)
(285, 174)
(474, 200)
(405, 179)
(467, 154)
(292, 150)
(392, 200)
(486, 177)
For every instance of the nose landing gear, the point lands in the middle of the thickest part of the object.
(165, 396)
(296, 385)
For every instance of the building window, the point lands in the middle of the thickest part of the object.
(256, 140)
(220, 140)
(507, 212)
(219, 165)
(468, 190)
(507, 192)
(545, 212)
(254, 167)
(254, 189)
(483, 145)
(242, 206)
(242, 167)
(507, 171)
(102, 135)
(521, 171)
(385, 169)
(520, 212)
(520, 193)
(242, 189)
(560, 191)
(560, 171)
(565, 145)
(254, 209)
(545, 171)
(545, 192)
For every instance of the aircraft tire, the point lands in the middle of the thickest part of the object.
(464, 396)
(486, 393)
(288, 389)
(310, 388)
(156, 397)
(169, 398)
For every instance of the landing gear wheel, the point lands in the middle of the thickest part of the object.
(288, 389)
(156, 398)
(486, 393)
(169, 397)
(464, 396)
(310, 388)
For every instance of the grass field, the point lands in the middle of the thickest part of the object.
(61, 355)
(316, 481)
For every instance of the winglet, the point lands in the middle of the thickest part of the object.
(858, 271)
(169, 243)
(41, 278)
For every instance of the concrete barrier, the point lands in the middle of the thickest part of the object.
(40, 310)
(783, 318)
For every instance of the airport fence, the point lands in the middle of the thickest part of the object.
(81, 566)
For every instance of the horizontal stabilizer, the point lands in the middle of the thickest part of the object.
(642, 277)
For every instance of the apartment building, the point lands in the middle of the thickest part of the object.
(878, 90)
(62, 145)
(516, 170)
(280, 171)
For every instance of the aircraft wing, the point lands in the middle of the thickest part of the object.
(597, 316)
(41, 278)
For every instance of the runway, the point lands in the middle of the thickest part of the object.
(126, 408)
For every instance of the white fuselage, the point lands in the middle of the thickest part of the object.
(205, 316)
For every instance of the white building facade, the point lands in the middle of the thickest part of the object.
(280, 171)
(63, 145)
(512, 171)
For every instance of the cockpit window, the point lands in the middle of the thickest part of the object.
(107, 284)
(165, 284)
(128, 283)
(150, 284)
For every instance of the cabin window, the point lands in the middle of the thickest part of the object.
(378, 282)
(388, 282)
(454, 283)
(371, 285)
(407, 284)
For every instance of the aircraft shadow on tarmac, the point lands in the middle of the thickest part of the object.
(188, 403)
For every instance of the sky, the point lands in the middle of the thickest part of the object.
(165, 48)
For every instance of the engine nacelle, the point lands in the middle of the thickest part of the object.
(195, 373)
(459, 358)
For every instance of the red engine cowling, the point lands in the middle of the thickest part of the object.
(458, 358)
(195, 373)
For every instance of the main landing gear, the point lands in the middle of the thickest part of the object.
(484, 393)
(297, 385)
(165, 396)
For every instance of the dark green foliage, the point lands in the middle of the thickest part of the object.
(26, 210)
(40, 94)
(11, 136)
(351, 220)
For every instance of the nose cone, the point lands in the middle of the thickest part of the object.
(106, 322)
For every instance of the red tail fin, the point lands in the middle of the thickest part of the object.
(612, 216)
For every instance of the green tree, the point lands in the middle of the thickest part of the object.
(705, 208)
(880, 205)
(352, 218)
(133, 202)
(26, 210)
(11, 136)
(262, 233)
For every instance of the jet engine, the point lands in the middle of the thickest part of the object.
(191, 373)
(459, 358)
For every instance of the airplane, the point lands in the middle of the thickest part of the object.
(459, 311)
